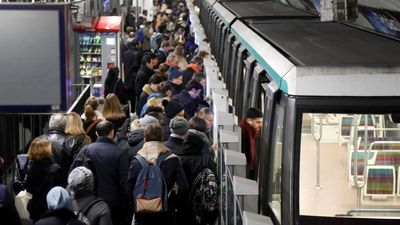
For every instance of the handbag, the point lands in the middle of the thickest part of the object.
(21, 204)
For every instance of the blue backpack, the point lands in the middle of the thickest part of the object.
(150, 193)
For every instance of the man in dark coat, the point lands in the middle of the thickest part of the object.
(111, 171)
(149, 61)
(192, 69)
(62, 146)
(131, 57)
(187, 98)
(251, 127)
(175, 80)
(179, 127)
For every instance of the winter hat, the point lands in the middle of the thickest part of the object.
(147, 120)
(179, 126)
(173, 73)
(57, 198)
(173, 108)
(80, 179)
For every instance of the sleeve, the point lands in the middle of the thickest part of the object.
(123, 172)
(181, 180)
(105, 218)
(132, 176)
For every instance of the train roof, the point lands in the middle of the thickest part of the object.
(265, 9)
(323, 58)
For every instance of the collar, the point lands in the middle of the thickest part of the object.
(194, 68)
(104, 139)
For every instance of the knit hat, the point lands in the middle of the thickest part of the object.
(173, 73)
(179, 126)
(173, 108)
(57, 198)
(80, 179)
(147, 120)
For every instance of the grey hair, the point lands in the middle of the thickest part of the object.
(57, 121)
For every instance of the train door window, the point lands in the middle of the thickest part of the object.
(227, 56)
(232, 70)
(349, 162)
(237, 87)
(258, 77)
(275, 161)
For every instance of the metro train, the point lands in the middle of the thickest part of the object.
(330, 95)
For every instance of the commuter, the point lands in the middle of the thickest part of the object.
(149, 89)
(172, 109)
(62, 145)
(175, 80)
(251, 128)
(142, 18)
(74, 128)
(84, 202)
(92, 101)
(207, 115)
(172, 61)
(149, 61)
(42, 175)
(187, 98)
(147, 32)
(131, 57)
(130, 19)
(171, 169)
(163, 71)
(179, 127)
(114, 84)
(90, 123)
(192, 69)
(135, 139)
(163, 51)
(202, 80)
(180, 57)
(165, 90)
(8, 212)
(57, 213)
(111, 166)
(112, 111)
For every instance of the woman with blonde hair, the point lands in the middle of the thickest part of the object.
(90, 123)
(112, 111)
(42, 175)
(92, 101)
(74, 127)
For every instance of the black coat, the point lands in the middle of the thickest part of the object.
(174, 144)
(8, 212)
(142, 78)
(189, 104)
(111, 170)
(187, 75)
(42, 176)
(136, 141)
(132, 58)
(63, 149)
(176, 89)
(98, 214)
(59, 217)
(196, 155)
(117, 87)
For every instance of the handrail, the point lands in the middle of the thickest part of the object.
(77, 106)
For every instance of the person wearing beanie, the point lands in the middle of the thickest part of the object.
(188, 98)
(171, 169)
(58, 214)
(175, 80)
(251, 126)
(172, 109)
(111, 165)
(81, 187)
(179, 127)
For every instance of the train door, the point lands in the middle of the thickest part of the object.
(232, 67)
(249, 63)
(240, 71)
(270, 154)
(228, 56)
(222, 45)
(220, 25)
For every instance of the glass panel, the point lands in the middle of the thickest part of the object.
(349, 163)
(276, 162)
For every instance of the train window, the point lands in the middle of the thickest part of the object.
(274, 190)
(349, 163)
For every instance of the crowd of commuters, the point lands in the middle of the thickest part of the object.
(155, 107)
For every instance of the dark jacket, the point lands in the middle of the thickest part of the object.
(59, 217)
(136, 141)
(176, 89)
(117, 87)
(92, 131)
(111, 167)
(62, 147)
(142, 78)
(42, 176)
(196, 155)
(118, 122)
(189, 104)
(80, 141)
(187, 75)
(144, 95)
(174, 144)
(132, 57)
(173, 173)
(8, 212)
(165, 128)
(97, 214)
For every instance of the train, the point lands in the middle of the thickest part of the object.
(329, 152)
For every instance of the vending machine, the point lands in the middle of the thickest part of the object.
(98, 50)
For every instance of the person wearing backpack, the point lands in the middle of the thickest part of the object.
(197, 159)
(155, 156)
(89, 208)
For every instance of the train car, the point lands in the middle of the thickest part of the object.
(330, 94)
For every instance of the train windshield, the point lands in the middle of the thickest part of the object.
(349, 165)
